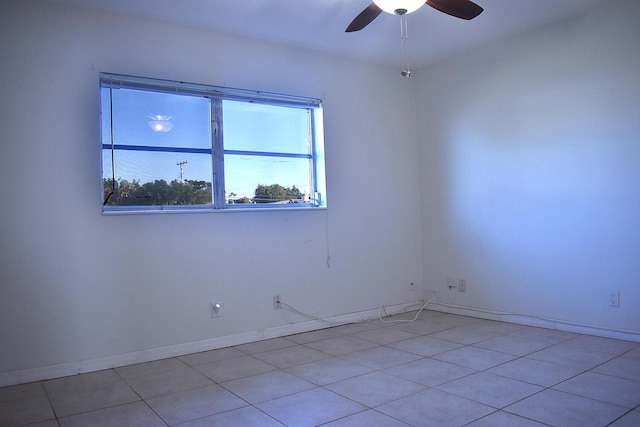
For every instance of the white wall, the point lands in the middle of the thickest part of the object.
(525, 155)
(78, 286)
(530, 163)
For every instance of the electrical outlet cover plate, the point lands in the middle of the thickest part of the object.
(215, 309)
(614, 298)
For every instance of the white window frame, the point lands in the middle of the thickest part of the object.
(317, 198)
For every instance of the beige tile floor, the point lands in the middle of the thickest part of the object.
(441, 370)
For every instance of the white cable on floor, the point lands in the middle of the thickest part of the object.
(383, 308)
(310, 316)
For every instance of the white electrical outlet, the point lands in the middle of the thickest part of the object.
(276, 302)
(215, 309)
(462, 285)
(614, 298)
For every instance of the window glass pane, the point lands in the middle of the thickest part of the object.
(157, 178)
(159, 147)
(259, 127)
(277, 178)
(157, 119)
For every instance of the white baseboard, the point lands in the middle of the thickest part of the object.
(520, 319)
(108, 362)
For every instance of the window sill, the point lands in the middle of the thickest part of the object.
(165, 210)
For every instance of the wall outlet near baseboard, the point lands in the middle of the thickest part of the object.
(215, 309)
(614, 298)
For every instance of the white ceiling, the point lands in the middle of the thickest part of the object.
(319, 24)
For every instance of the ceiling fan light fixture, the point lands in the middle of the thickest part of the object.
(408, 6)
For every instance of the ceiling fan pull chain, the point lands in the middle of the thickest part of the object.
(404, 42)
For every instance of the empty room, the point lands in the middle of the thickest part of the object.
(321, 212)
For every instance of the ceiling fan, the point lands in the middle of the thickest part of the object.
(463, 9)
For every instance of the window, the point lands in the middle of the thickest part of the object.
(172, 146)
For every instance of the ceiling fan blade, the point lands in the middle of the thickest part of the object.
(364, 18)
(464, 9)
